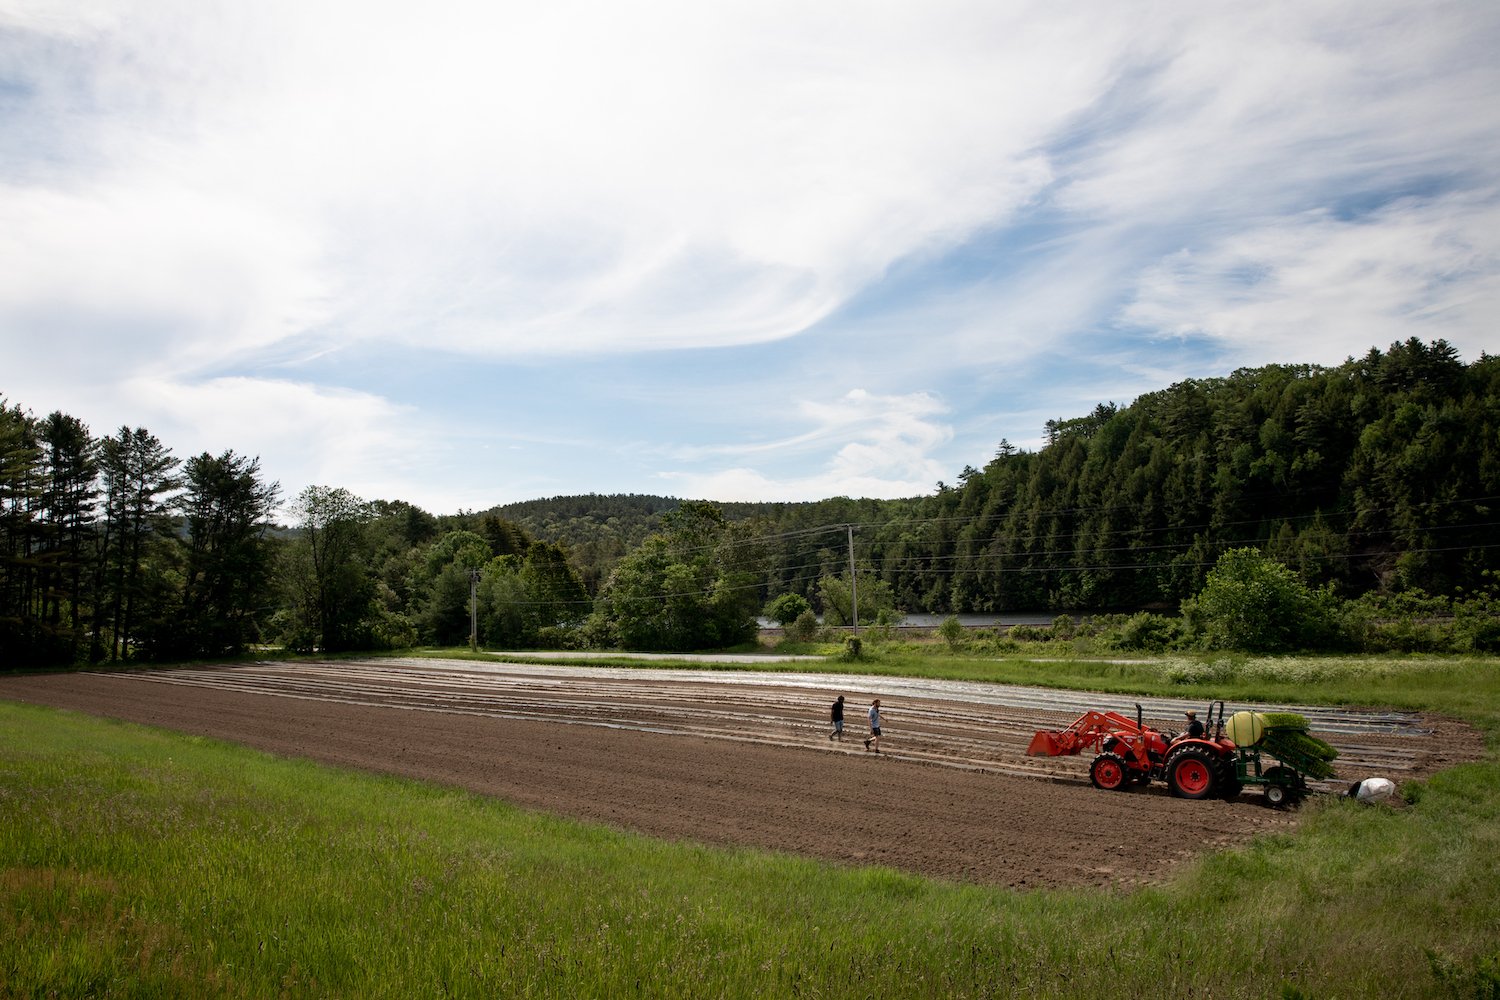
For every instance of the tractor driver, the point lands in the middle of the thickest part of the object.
(1194, 727)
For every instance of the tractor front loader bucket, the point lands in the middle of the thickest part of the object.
(1051, 743)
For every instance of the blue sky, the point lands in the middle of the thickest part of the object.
(463, 254)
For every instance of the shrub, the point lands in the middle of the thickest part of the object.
(598, 632)
(1476, 623)
(804, 628)
(951, 631)
(1029, 633)
(293, 632)
(884, 627)
(558, 637)
(1411, 621)
(1256, 604)
(786, 609)
(1145, 632)
(394, 631)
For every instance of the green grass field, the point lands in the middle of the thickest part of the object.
(141, 863)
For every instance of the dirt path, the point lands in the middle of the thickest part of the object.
(742, 758)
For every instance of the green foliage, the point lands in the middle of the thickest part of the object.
(227, 564)
(1252, 603)
(1415, 621)
(102, 558)
(136, 550)
(597, 529)
(445, 619)
(786, 608)
(1285, 720)
(951, 631)
(692, 587)
(326, 571)
(1476, 620)
(463, 550)
(537, 600)
(1372, 474)
(804, 628)
(445, 581)
(1478, 979)
(835, 595)
(1141, 632)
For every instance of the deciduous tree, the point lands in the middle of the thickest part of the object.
(327, 574)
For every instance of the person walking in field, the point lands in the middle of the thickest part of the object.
(874, 736)
(837, 715)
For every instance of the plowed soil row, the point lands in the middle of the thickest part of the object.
(744, 759)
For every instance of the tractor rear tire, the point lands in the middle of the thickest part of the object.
(1192, 773)
(1109, 772)
(1230, 785)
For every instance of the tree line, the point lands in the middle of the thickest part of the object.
(1375, 476)
(1381, 474)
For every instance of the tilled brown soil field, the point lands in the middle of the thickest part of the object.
(744, 759)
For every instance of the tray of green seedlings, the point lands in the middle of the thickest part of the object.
(1288, 740)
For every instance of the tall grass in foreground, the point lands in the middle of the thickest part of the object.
(140, 863)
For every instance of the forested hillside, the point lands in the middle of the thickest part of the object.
(1381, 474)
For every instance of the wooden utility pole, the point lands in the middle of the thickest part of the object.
(853, 585)
(474, 610)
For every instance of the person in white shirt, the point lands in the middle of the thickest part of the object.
(874, 726)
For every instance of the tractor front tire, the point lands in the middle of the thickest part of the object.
(1109, 772)
(1192, 773)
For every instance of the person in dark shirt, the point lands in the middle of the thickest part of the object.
(837, 715)
(1194, 727)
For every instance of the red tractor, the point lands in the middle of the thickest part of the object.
(1129, 751)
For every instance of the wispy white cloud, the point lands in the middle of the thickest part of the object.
(338, 437)
(1236, 114)
(1317, 288)
(192, 279)
(882, 446)
(585, 176)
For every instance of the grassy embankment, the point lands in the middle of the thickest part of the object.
(141, 863)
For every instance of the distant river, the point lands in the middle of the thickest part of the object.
(967, 621)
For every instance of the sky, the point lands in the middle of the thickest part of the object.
(463, 254)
